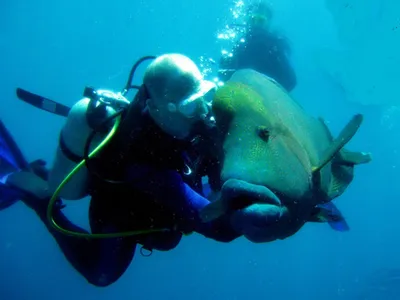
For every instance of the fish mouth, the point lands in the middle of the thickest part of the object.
(249, 193)
(258, 212)
(257, 204)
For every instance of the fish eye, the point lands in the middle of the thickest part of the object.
(263, 133)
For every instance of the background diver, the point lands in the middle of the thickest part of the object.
(260, 49)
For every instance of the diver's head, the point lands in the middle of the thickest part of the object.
(179, 97)
(259, 15)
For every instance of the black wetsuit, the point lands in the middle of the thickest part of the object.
(263, 52)
(155, 197)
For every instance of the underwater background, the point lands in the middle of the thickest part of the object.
(346, 55)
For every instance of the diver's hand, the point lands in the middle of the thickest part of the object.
(213, 195)
(260, 223)
(36, 190)
(30, 183)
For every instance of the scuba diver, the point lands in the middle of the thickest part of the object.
(260, 49)
(138, 163)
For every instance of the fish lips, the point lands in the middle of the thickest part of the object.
(260, 223)
(241, 194)
(256, 210)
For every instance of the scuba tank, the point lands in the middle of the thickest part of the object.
(92, 122)
(86, 115)
(84, 127)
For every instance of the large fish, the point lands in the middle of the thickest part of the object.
(270, 142)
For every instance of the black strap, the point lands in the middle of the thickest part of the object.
(43, 103)
(131, 124)
(68, 153)
(95, 116)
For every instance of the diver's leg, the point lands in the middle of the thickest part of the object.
(100, 261)
(114, 255)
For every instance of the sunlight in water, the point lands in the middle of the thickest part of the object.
(232, 32)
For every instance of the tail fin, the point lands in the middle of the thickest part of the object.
(9, 196)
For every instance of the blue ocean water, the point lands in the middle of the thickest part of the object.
(56, 48)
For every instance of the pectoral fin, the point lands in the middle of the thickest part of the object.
(353, 158)
(343, 170)
(329, 213)
(343, 160)
(342, 176)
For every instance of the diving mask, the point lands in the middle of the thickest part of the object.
(198, 104)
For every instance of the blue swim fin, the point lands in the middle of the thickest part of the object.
(11, 160)
(330, 214)
(11, 157)
(9, 195)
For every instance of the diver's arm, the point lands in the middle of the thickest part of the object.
(213, 172)
(283, 44)
(285, 73)
(220, 229)
(227, 66)
(291, 77)
(186, 204)
(211, 150)
(288, 77)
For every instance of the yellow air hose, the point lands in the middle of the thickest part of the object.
(68, 178)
